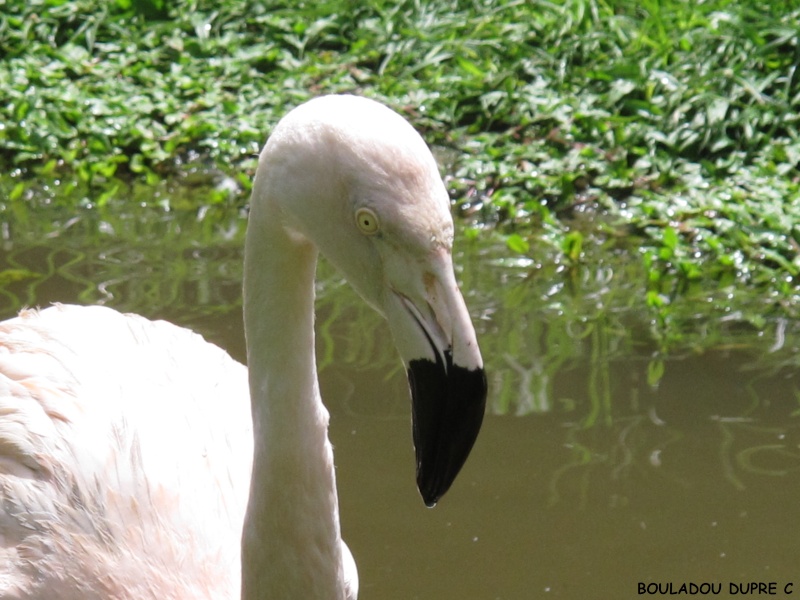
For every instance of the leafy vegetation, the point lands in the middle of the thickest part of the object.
(664, 129)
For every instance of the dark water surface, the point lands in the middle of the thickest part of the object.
(603, 462)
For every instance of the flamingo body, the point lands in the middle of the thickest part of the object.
(116, 464)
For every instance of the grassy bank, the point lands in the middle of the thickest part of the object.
(670, 129)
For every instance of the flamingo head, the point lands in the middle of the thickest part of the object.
(355, 179)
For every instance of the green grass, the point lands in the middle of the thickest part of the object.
(670, 128)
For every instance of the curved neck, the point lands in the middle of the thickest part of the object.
(291, 543)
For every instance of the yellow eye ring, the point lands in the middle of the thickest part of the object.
(367, 221)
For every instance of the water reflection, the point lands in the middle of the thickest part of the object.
(606, 461)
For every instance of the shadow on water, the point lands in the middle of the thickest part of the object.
(609, 458)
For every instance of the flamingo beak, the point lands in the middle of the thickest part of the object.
(448, 402)
(437, 341)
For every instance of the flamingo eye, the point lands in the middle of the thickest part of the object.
(367, 221)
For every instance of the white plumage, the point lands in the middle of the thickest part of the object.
(116, 464)
(138, 461)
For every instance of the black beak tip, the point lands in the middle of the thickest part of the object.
(429, 502)
(448, 407)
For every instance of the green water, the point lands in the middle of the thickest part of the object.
(604, 461)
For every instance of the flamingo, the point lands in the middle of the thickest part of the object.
(139, 461)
